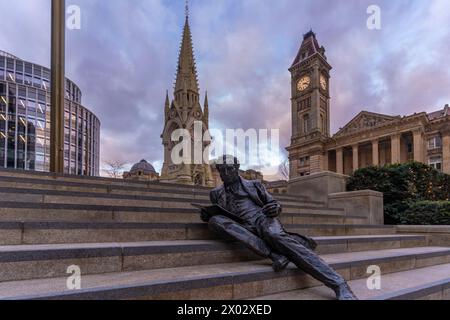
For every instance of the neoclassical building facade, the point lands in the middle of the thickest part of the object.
(368, 139)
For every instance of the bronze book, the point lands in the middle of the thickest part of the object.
(216, 210)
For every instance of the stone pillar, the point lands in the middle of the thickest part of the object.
(315, 163)
(395, 148)
(293, 168)
(325, 165)
(446, 153)
(340, 161)
(375, 153)
(418, 146)
(355, 157)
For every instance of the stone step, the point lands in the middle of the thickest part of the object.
(172, 201)
(37, 176)
(21, 262)
(430, 283)
(79, 232)
(30, 211)
(242, 280)
(47, 181)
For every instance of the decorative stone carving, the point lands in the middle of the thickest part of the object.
(364, 121)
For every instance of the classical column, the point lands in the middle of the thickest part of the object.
(418, 146)
(395, 148)
(446, 153)
(355, 157)
(375, 153)
(340, 161)
(57, 86)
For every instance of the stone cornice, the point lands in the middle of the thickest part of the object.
(419, 122)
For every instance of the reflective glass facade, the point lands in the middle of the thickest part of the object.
(25, 121)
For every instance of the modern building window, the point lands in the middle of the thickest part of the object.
(436, 163)
(2, 68)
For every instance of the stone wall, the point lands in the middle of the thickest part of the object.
(330, 188)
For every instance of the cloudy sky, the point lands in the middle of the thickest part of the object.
(124, 59)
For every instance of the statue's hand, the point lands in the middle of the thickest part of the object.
(204, 216)
(272, 210)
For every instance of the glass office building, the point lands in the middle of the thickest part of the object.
(25, 121)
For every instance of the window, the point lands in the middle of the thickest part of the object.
(305, 124)
(436, 163)
(435, 143)
(304, 104)
(19, 78)
(28, 79)
(28, 68)
(10, 64)
(19, 66)
(304, 161)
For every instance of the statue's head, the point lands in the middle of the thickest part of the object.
(228, 167)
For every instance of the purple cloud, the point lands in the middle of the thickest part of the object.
(124, 58)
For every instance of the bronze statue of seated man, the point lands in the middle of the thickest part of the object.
(261, 231)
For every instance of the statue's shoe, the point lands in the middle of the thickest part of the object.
(343, 292)
(279, 262)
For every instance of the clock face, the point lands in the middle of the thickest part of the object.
(323, 82)
(303, 83)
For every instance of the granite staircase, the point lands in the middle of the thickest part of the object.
(143, 240)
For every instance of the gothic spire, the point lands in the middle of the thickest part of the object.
(167, 105)
(206, 109)
(187, 71)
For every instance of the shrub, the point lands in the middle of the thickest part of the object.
(427, 213)
(403, 185)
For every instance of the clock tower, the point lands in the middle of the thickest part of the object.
(310, 92)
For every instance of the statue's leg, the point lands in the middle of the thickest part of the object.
(228, 228)
(278, 239)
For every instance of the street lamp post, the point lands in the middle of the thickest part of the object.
(57, 87)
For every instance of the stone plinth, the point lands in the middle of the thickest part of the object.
(318, 186)
(365, 203)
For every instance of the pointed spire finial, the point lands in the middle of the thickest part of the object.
(206, 109)
(187, 9)
(167, 98)
(187, 71)
(167, 106)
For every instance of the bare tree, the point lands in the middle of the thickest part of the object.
(284, 170)
(114, 169)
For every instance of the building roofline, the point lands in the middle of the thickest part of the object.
(8, 55)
